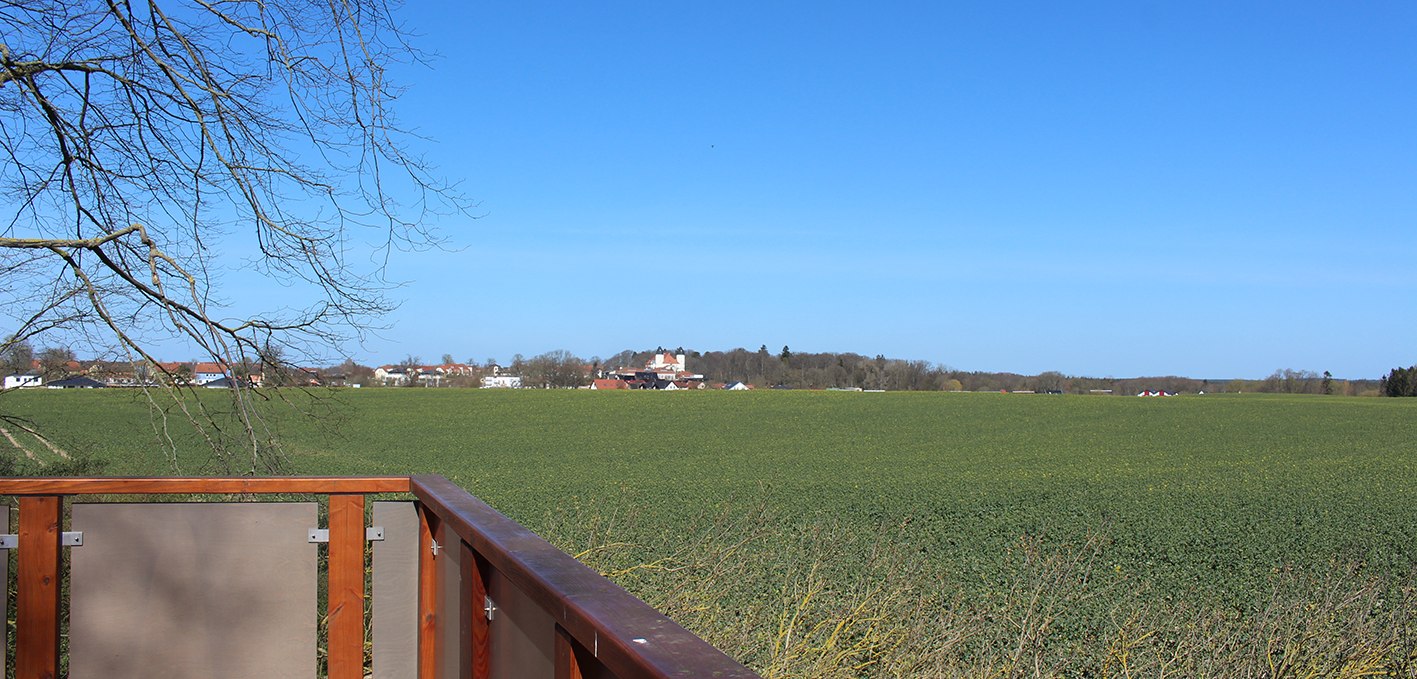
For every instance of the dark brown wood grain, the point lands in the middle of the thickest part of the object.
(567, 665)
(475, 576)
(626, 635)
(428, 594)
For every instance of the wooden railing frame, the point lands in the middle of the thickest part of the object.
(600, 628)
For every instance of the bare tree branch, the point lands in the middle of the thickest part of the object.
(142, 142)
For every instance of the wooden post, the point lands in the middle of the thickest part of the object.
(428, 593)
(475, 572)
(346, 587)
(37, 598)
(564, 655)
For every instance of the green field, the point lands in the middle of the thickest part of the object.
(818, 533)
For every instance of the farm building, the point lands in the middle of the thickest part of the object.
(76, 383)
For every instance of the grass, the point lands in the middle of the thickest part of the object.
(822, 533)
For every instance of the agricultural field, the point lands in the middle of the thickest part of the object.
(913, 534)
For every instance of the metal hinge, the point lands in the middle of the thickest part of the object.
(372, 534)
(488, 607)
(69, 538)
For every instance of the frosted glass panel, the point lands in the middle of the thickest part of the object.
(454, 651)
(219, 590)
(523, 636)
(395, 592)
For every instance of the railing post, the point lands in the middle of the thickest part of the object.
(475, 572)
(37, 596)
(346, 587)
(565, 654)
(428, 594)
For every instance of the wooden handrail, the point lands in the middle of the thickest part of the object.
(318, 485)
(626, 635)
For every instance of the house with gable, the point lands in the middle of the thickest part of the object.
(205, 372)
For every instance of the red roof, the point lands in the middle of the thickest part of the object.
(609, 384)
(209, 367)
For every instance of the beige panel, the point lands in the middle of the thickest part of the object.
(522, 635)
(216, 590)
(395, 592)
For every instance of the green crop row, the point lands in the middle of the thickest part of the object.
(754, 516)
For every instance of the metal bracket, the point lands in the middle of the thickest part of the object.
(372, 533)
(66, 539)
(436, 547)
(489, 607)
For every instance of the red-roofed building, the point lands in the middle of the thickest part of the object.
(207, 371)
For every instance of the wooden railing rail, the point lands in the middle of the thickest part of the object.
(602, 624)
(600, 629)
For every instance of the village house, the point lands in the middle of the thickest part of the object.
(502, 382)
(205, 372)
(23, 381)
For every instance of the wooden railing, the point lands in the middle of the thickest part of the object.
(599, 629)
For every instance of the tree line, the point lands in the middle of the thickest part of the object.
(762, 368)
(800, 370)
(1400, 382)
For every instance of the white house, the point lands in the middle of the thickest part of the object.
(23, 381)
(502, 382)
(391, 375)
(205, 372)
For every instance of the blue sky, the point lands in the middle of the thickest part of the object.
(1097, 188)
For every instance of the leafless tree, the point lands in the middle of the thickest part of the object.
(149, 148)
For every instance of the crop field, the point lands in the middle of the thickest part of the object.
(913, 534)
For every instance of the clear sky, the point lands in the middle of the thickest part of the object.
(1207, 189)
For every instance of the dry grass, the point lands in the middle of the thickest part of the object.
(1050, 616)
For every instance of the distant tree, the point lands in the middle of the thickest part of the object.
(54, 362)
(410, 365)
(1328, 382)
(1399, 382)
(786, 354)
(275, 370)
(448, 359)
(17, 357)
(555, 370)
(1051, 380)
(1289, 381)
(182, 374)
